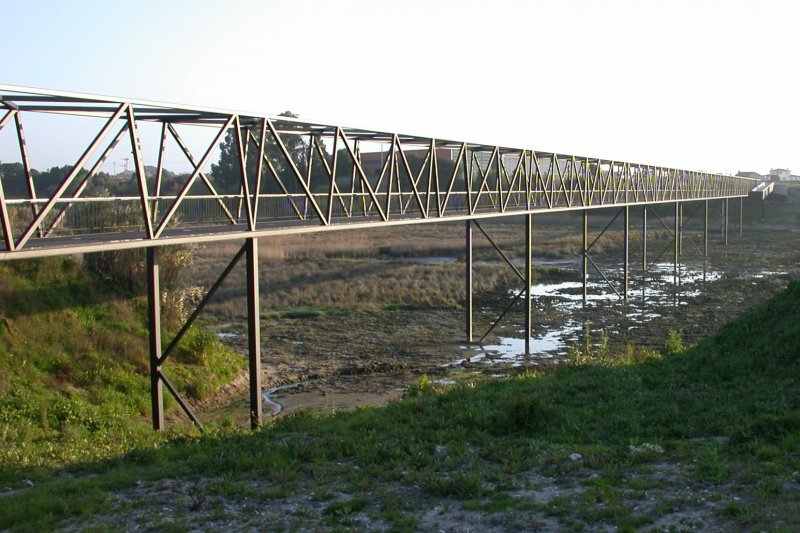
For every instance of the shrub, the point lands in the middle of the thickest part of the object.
(674, 342)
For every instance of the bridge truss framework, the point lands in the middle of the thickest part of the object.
(296, 176)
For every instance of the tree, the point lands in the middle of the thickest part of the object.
(227, 173)
(15, 184)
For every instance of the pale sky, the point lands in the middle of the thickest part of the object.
(698, 84)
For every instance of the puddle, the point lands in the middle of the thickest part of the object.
(545, 346)
(765, 274)
(648, 296)
(273, 406)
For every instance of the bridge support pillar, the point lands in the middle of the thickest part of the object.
(154, 323)
(676, 249)
(705, 229)
(528, 282)
(741, 216)
(644, 238)
(468, 278)
(585, 261)
(254, 332)
(725, 207)
(626, 235)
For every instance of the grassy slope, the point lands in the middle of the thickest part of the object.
(728, 407)
(74, 378)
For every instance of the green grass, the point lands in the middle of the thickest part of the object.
(728, 409)
(74, 375)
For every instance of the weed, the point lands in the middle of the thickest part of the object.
(674, 342)
(711, 465)
(461, 485)
(343, 512)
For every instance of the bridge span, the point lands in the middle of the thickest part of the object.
(275, 175)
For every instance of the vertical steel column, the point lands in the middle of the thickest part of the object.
(644, 238)
(254, 332)
(676, 256)
(468, 277)
(528, 281)
(741, 216)
(680, 230)
(154, 322)
(705, 229)
(585, 262)
(725, 207)
(627, 255)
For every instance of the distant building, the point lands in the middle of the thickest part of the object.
(752, 175)
(782, 174)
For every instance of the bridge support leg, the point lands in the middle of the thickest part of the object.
(254, 332)
(585, 262)
(676, 250)
(725, 207)
(741, 216)
(154, 322)
(468, 278)
(680, 229)
(528, 282)
(644, 238)
(705, 229)
(627, 255)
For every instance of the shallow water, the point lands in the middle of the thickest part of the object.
(647, 297)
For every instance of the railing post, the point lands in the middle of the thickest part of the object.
(528, 281)
(154, 323)
(254, 332)
(468, 278)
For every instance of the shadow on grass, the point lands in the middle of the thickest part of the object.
(52, 285)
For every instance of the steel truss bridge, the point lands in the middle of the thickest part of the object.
(287, 176)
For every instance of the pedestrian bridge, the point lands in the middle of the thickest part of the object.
(278, 175)
(284, 175)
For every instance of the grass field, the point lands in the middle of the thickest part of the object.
(74, 370)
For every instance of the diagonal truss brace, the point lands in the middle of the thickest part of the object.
(159, 357)
(587, 257)
(514, 268)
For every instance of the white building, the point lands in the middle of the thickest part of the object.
(782, 174)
